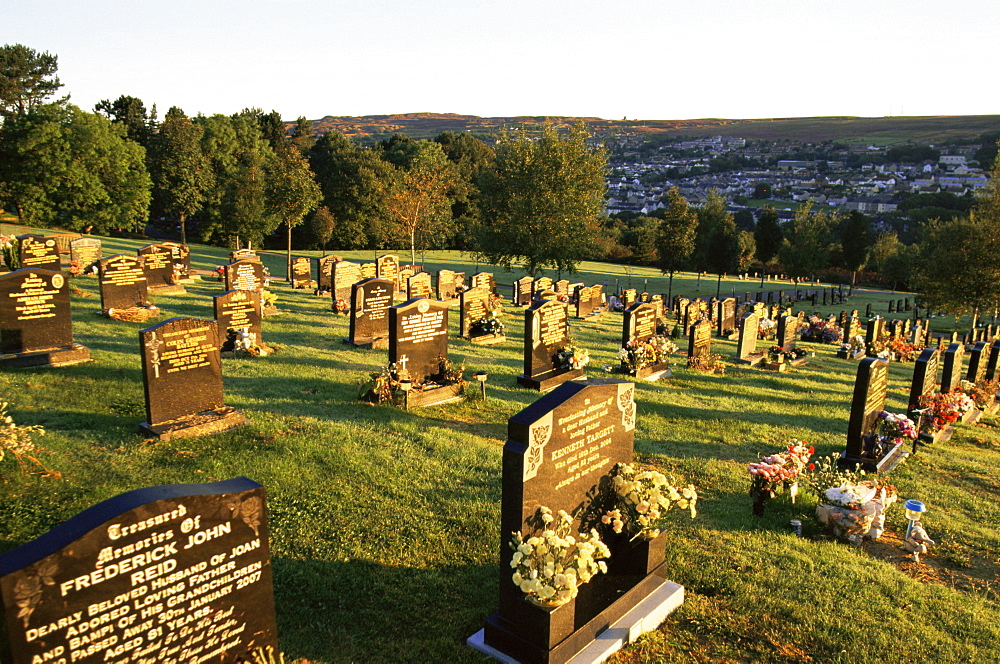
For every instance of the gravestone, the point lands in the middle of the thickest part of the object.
(562, 288)
(122, 282)
(572, 290)
(483, 280)
(244, 275)
(658, 303)
(559, 453)
(629, 297)
(158, 264)
(459, 282)
(868, 310)
(699, 340)
(235, 310)
(892, 306)
(367, 271)
(36, 325)
(788, 333)
(951, 367)
(302, 273)
(418, 342)
(404, 277)
(868, 401)
(243, 255)
(546, 331)
(473, 307)
(181, 256)
(419, 286)
(324, 275)
(343, 275)
(586, 303)
(387, 268)
(85, 252)
(746, 345)
(160, 575)
(370, 302)
(977, 363)
(925, 370)
(639, 323)
(994, 359)
(446, 285)
(182, 379)
(39, 252)
(875, 330)
(725, 319)
(539, 286)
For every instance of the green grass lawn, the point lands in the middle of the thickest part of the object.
(385, 523)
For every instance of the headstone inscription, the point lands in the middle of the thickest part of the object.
(418, 344)
(699, 341)
(158, 263)
(951, 366)
(725, 319)
(746, 345)
(925, 371)
(446, 285)
(244, 275)
(343, 275)
(182, 379)
(324, 274)
(39, 252)
(585, 304)
(474, 306)
(562, 287)
(387, 268)
(863, 448)
(629, 297)
(368, 270)
(243, 255)
(235, 310)
(123, 283)
(370, 302)
(546, 332)
(302, 272)
(419, 286)
(165, 574)
(994, 359)
(523, 291)
(639, 323)
(85, 252)
(483, 280)
(403, 277)
(977, 363)
(36, 327)
(181, 256)
(551, 460)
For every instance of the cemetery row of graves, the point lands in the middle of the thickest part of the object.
(403, 424)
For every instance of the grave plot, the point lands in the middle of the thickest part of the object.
(182, 380)
(124, 295)
(370, 302)
(85, 252)
(158, 264)
(560, 455)
(36, 326)
(549, 356)
(418, 349)
(644, 354)
(39, 252)
(869, 445)
(480, 322)
(238, 313)
(165, 574)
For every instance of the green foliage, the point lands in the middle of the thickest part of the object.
(292, 191)
(768, 235)
(676, 238)
(27, 78)
(541, 201)
(717, 240)
(855, 238)
(130, 112)
(809, 241)
(182, 173)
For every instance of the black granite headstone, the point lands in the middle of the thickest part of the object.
(868, 401)
(123, 282)
(699, 340)
(387, 268)
(418, 337)
(36, 327)
(244, 275)
(182, 377)
(301, 272)
(951, 367)
(925, 370)
(446, 285)
(243, 255)
(370, 302)
(473, 306)
(168, 574)
(158, 264)
(977, 363)
(235, 310)
(181, 255)
(85, 252)
(994, 359)
(344, 274)
(585, 304)
(546, 331)
(725, 319)
(639, 323)
(324, 275)
(39, 252)
(419, 286)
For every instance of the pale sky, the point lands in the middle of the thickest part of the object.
(641, 59)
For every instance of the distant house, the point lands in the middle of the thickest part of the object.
(952, 160)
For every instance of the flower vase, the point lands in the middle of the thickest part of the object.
(636, 557)
(760, 499)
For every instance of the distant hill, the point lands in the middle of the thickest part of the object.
(880, 131)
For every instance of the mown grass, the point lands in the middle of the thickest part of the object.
(384, 523)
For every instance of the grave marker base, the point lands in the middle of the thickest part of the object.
(544, 382)
(488, 339)
(653, 371)
(382, 343)
(848, 355)
(54, 357)
(776, 366)
(435, 396)
(939, 436)
(753, 359)
(971, 416)
(168, 289)
(639, 609)
(200, 424)
(884, 465)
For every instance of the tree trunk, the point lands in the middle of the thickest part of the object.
(183, 219)
(670, 290)
(413, 247)
(288, 253)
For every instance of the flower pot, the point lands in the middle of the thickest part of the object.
(636, 557)
(760, 499)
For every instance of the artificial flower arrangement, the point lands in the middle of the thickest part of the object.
(488, 324)
(179, 273)
(243, 342)
(983, 393)
(854, 510)
(902, 350)
(10, 248)
(656, 350)
(640, 500)
(220, 272)
(781, 469)
(853, 345)
(341, 306)
(384, 385)
(891, 429)
(571, 357)
(550, 567)
(822, 331)
(779, 354)
(15, 440)
(944, 408)
(707, 362)
(766, 328)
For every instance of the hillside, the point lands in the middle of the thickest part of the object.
(884, 130)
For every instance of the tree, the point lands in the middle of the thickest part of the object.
(27, 78)
(471, 157)
(351, 179)
(761, 191)
(131, 113)
(65, 167)
(302, 135)
(417, 197)
(182, 173)
(809, 241)
(320, 225)
(957, 270)
(855, 238)
(675, 239)
(746, 249)
(716, 237)
(541, 201)
(768, 235)
(272, 127)
(293, 191)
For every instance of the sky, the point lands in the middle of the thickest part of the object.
(636, 59)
